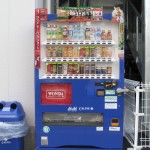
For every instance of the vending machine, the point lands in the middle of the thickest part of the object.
(79, 67)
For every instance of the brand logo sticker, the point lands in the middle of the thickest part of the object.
(110, 98)
(55, 94)
(46, 129)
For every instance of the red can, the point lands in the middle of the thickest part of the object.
(49, 68)
(82, 52)
(70, 68)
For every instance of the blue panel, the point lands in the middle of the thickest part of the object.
(51, 17)
(83, 96)
(107, 16)
(13, 144)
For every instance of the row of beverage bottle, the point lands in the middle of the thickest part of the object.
(80, 52)
(77, 68)
(76, 32)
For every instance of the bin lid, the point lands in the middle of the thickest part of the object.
(11, 111)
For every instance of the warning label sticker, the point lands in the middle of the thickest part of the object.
(110, 105)
(110, 98)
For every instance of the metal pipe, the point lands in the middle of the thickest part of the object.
(136, 117)
(137, 33)
(50, 5)
(127, 9)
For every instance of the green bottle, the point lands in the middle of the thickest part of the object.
(59, 34)
(48, 32)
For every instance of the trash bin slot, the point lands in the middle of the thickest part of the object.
(13, 106)
(1, 105)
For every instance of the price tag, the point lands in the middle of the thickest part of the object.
(88, 23)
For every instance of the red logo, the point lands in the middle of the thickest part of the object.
(55, 94)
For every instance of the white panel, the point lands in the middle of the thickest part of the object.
(21, 55)
(4, 46)
(147, 39)
(147, 56)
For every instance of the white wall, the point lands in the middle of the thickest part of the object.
(17, 53)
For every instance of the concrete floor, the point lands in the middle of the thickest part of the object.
(29, 140)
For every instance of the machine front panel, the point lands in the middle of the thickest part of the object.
(79, 67)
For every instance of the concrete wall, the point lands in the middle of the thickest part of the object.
(17, 53)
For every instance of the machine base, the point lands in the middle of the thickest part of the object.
(74, 149)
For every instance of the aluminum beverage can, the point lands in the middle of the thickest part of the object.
(59, 52)
(103, 52)
(109, 52)
(70, 51)
(87, 52)
(81, 69)
(93, 69)
(54, 68)
(70, 68)
(75, 52)
(103, 70)
(65, 68)
(48, 52)
(109, 70)
(54, 52)
(98, 52)
(82, 52)
(48, 68)
(59, 68)
(98, 70)
(92, 49)
(75, 68)
(64, 52)
(87, 68)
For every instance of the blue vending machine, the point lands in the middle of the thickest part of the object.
(79, 65)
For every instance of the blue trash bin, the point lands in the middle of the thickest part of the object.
(13, 126)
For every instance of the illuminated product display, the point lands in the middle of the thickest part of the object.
(79, 65)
